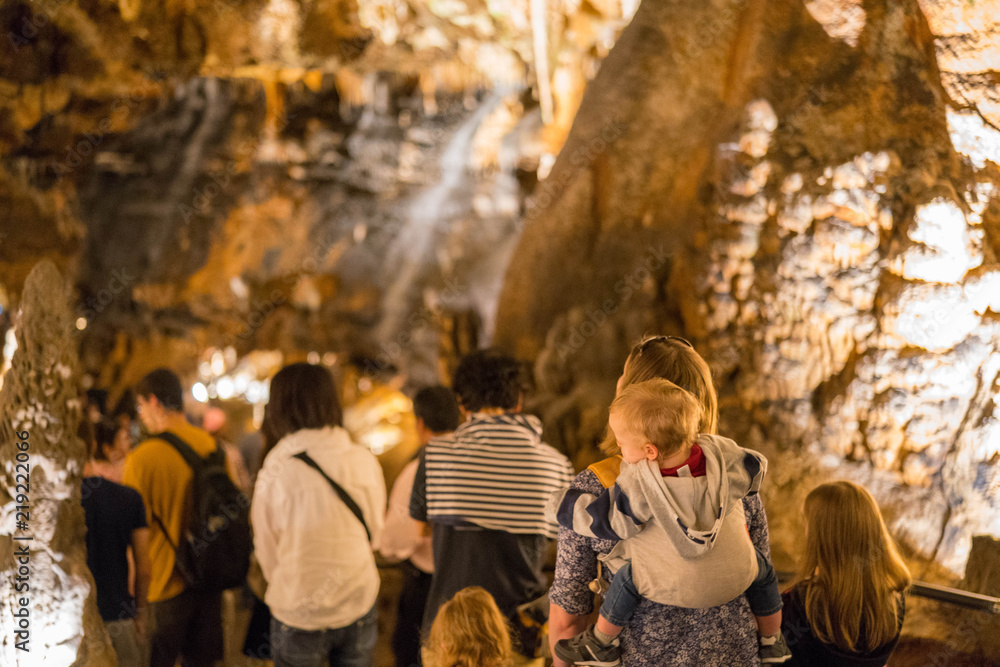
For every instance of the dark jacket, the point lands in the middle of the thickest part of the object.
(808, 651)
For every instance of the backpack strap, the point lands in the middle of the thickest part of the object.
(190, 456)
(344, 496)
(196, 463)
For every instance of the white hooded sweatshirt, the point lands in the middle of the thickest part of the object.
(312, 549)
(685, 536)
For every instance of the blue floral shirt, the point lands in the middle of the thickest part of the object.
(661, 634)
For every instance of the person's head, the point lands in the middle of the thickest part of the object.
(97, 400)
(673, 359)
(654, 420)
(488, 380)
(111, 442)
(301, 396)
(851, 570)
(158, 397)
(436, 411)
(214, 420)
(468, 631)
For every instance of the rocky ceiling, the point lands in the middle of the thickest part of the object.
(295, 175)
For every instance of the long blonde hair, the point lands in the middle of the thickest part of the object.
(468, 631)
(852, 575)
(672, 359)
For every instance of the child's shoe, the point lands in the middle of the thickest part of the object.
(585, 649)
(774, 650)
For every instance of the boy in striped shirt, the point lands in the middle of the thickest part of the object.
(484, 489)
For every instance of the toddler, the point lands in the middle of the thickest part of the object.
(677, 510)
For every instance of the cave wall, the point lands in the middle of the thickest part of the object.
(808, 192)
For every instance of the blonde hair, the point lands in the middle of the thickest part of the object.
(659, 411)
(852, 575)
(468, 631)
(673, 359)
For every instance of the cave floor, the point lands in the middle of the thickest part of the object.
(912, 652)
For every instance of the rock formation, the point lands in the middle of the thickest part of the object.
(793, 187)
(248, 173)
(42, 549)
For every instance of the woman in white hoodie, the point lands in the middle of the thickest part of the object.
(318, 504)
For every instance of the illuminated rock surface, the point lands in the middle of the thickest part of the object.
(799, 194)
(39, 405)
(261, 175)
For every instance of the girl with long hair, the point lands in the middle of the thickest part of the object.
(318, 504)
(845, 607)
(469, 631)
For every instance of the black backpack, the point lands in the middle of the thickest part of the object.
(214, 551)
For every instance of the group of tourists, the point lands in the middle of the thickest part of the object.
(669, 530)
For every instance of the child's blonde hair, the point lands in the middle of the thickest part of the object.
(660, 412)
(468, 631)
(674, 359)
(852, 574)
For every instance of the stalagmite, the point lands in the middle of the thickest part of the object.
(48, 608)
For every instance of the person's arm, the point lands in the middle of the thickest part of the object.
(402, 534)
(571, 602)
(418, 497)
(563, 625)
(609, 515)
(143, 573)
(376, 497)
(265, 518)
(757, 523)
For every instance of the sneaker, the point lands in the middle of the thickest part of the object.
(774, 650)
(584, 649)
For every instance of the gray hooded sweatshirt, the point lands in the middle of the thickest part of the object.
(685, 536)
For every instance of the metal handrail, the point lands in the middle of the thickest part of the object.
(975, 601)
(955, 596)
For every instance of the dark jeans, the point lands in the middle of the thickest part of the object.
(350, 646)
(188, 625)
(622, 598)
(410, 615)
(763, 594)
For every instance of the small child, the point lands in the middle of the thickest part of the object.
(846, 615)
(677, 509)
(469, 631)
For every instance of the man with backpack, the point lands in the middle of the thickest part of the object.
(199, 542)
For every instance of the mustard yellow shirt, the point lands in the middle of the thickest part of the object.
(163, 479)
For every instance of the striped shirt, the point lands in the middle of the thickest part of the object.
(496, 473)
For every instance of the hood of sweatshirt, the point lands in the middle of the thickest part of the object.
(691, 509)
